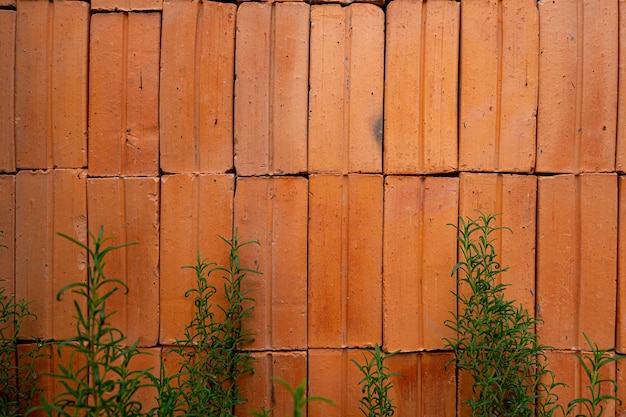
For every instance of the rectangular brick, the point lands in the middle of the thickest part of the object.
(421, 83)
(333, 375)
(8, 3)
(124, 98)
(620, 329)
(274, 212)
(7, 226)
(514, 197)
(128, 208)
(346, 89)
(567, 369)
(196, 90)
(48, 202)
(260, 390)
(51, 84)
(427, 386)
(126, 5)
(620, 152)
(419, 252)
(271, 88)
(195, 211)
(577, 259)
(577, 108)
(498, 90)
(345, 260)
(7, 86)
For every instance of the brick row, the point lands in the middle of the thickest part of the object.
(123, 98)
(421, 87)
(196, 87)
(271, 91)
(7, 86)
(51, 84)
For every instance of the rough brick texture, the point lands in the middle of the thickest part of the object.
(7, 86)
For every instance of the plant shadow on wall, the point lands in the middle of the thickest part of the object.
(496, 344)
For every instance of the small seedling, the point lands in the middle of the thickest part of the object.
(376, 384)
(300, 399)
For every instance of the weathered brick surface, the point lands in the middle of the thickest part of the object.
(195, 211)
(261, 390)
(577, 111)
(346, 89)
(498, 85)
(577, 259)
(123, 98)
(49, 202)
(345, 260)
(127, 208)
(271, 91)
(7, 86)
(196, 86)
(620, 335)
(419, 253)
(7, 226)
(273, 211)
(421, 86)
(51, 84)
(126, 5)
(514, 197)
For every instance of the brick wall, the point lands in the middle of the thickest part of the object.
(344, 137)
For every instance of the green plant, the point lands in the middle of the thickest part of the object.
(212, 359)
(376, 384)
(97, 379)
(495, 341)
(300, 399)
(592, 366)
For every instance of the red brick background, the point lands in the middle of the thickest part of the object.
(344, 137)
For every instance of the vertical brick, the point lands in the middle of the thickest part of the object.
(346, 88)
(421, 83)
(7, 227)
(271, 88)
(126, 5)
(195, 211)
(333, 375)
(345, 260)
(620, 328)
(578, 89)
(259, 388)
(567, 369)
(514, 197)
(196, 90)
(620, 152)
(577, 259)
(127, 208)
(123, 98)
(498, 90)
(7, 86)
(419, 253)
(274, 212)
(427, 386)
(48, 202)
(51, 84)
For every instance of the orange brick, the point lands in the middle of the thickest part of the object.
(51, 84)
(426, 388)
(419, 253)
(126, 5)
(271, 91)
(498, 89)
(567, 369)
(421, 82)
(195, 209)
(127, 208)
(8, 3)
(260, 390)
(621, 268)
(578, 64)
(274, 212)
(620, 157)
(7, 86)
(333, 375)
(48, 202)
(347, 2)
(346, 89)
(7, 226)
(345, 260)
(577, 259)
(514, 197)
(124, 98)
(196, 90)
